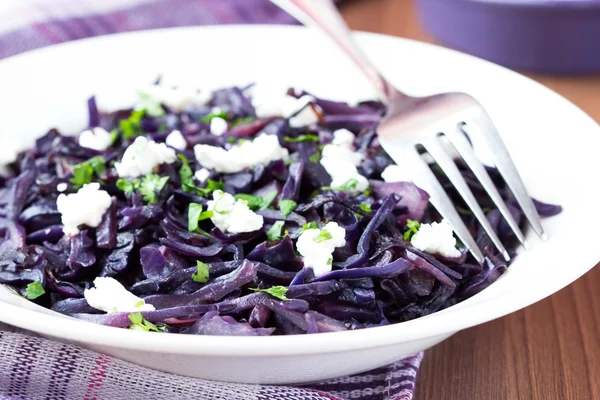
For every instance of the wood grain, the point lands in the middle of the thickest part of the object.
(548, 351)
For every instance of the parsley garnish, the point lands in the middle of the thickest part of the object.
(315, 157)
(268, 199)
(84, 172)
(127, 186)
(152, 107)
(231, 139)
(253, 202)
(114, 135)
(275, 291)
(348, 185)
(131, 127)
(211, 186)
(243, 121)
(219, 114)
(34, 290)
(195, 214)
(365, 207)
(152, 184)
(310, 225)
(330, 261)
(139, 323)
(201, 275)
(274, 232)
(287, 206)
(302, 138)
(412, 227)
(322, 236)
(187, 180)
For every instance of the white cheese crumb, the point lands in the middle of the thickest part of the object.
(273, 101)
(233, 216)
(344, 138)
(306, 117)
(202, 175)
(96, 139)
(176, 140)
(177, 98)
(218, 126)
(61, 187)
(86, 207)
(142, 156)
(110, 296)
(318, 253)
(340, 163)
(262, 150)
(436, 238)
(395, 173)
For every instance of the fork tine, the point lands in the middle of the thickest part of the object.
(462, 145)
(485, 127)
(446, 163)
(426, 180)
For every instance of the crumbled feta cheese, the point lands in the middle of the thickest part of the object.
(176, 140)
(262, 150)
(307, 116)
(233, 216)
(218, 126)
(395, 173)
(344, 138)
(436, 238)
(110, 296)
(202, 175)
(61, 187)
(318, 253)
(96, 139)
(86, 207)
(142, 156)
(177, 98)
(340, 163)
(273, 101)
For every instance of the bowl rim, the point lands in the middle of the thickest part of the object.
(536, 4)
(436, 324)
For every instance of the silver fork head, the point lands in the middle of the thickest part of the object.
(422, 121)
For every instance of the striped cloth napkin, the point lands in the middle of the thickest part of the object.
(35, 368)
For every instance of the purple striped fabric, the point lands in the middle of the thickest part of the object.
(34, 368)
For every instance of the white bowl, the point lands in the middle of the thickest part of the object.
(554, 145)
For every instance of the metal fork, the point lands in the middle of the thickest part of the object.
(413, 121)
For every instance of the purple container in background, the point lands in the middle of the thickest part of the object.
(560, 36)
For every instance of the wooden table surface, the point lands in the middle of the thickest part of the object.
(548, 351)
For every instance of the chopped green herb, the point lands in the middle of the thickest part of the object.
(186, 175)
(365, 207)
(348, 185)
(367, 192)
(194, 211)
(302, 138)
(412, 227)
(114, 135)
(128, 187)
(206, 215)
(34, 290)
(274, 232)
(211, 186)
(242, 141)
(201, 275)
(152, 107)
(315, 157)
(231, 139)
(243, 121)
(132, 127)
(139, 303)
(254, 202)
(152, 184)
(219, 114)
(330, 261)
(139, 323)
(83, 173)
(275, 291)
(322, 236)
(268, 199)
(310, 225)
(287, 206)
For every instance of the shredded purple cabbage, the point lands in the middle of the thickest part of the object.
(377, 277)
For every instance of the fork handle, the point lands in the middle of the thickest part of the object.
(324, 15)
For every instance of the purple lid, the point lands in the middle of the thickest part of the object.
(551, 36)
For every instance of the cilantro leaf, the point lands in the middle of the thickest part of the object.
(302, 138)
(114, 135)
(287, 206)
(202, 273)
(152, 107)
(274, 231)
(128, 187)
(348, 185)
(152, 184)
(194, 211)
(83, 173)
(231, 139)
(34, 290)
(211, 186)
(366, 207)
(186, 175)
(322, 236)
(268, 199)
(132, 127)
(275, 291)
(310, 225)
(412, 227)
(254, 202)
(139, 323)
(242, 121)
(315, 157)
(219, 114)
(330, 261)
